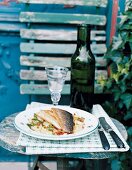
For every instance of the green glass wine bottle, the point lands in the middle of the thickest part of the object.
(82, 71)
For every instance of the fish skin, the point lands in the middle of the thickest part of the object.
(65, 119)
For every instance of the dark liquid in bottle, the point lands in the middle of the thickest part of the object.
(82, 76)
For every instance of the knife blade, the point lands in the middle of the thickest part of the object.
(108, 129)
(103, 138)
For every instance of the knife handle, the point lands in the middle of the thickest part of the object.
(117, 140)
(104, 140)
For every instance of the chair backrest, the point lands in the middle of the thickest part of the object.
(49, 38)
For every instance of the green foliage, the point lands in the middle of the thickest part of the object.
(119, 84)
(116, 165)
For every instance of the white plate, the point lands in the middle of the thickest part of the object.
(22, 119)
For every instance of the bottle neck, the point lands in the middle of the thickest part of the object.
(83, 37)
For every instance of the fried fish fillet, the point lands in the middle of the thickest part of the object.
(60, 119)
(47, 115)
(64, 119)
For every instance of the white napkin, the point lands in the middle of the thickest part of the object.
(89, 143)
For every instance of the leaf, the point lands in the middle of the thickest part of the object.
(116, 165)
(122, 85)
(117, 44)
(120, 66)
(129, 130)
(123, 20)
(126, 27)
(124, 35)
(128, 116)
(127, 99)
(109, 84)
(129, 38)
(122, 157)
(112, 53)
(117, 96)
(120, 105)
(113, 68)
(129, 13)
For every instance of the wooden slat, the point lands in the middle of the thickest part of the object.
(98, 35)
(100, 3)
(36, 61)
(9, 17)
(50, 48)
(102, 73)
(55, 18)
(41, 75)
(43, 89)
(47, 48)
(58, 48)
(40, 89)
(100, 62)
(37, 75)
(11, 27)
(58, 34)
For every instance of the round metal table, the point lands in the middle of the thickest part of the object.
(9, 135)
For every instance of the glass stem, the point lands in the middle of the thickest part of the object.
(55, 97)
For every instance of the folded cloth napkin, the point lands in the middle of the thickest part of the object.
(89, 143)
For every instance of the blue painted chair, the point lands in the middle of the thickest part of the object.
(49, 38)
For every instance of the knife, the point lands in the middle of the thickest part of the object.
(108, 129)
(103, 138)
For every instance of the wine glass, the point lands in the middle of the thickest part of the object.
(56, 78)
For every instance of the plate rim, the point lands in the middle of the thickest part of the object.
(50, 137)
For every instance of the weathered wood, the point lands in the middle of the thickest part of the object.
(100, 3)
(40, 89)
(9, 17)
(58, 34)
(59, 18)
(36, 61)
(35, 49)
(100, 62)
(58, 48)
(40, 75)
(10, 27)
(37, 75)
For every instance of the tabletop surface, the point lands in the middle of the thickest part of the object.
(9, 135)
